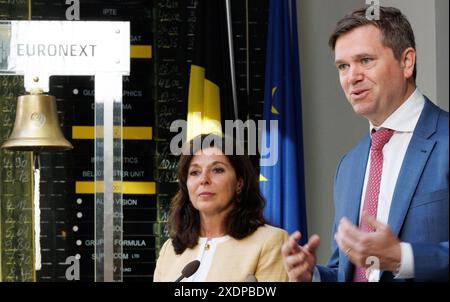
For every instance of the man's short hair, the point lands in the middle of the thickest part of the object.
(395, 28)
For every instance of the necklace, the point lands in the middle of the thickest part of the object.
(207, 245)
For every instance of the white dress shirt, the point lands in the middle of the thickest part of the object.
(402, 121)
(205, 256)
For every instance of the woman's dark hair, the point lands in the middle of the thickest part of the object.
(396, 30)
(247, 213)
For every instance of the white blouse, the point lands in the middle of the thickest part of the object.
(205, 256)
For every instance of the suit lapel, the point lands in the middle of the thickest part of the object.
(361, 158)
(416, 157)
(353, 204)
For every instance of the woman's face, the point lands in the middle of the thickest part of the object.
(212, 182)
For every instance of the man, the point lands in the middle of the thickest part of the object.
(391, 190)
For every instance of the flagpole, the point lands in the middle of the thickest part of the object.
(230, 48)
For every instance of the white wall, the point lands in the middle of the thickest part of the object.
(421, 14)
(429, 20)
(330, 127)
(442, 52)
(329, 124)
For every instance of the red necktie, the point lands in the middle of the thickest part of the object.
(379, 139)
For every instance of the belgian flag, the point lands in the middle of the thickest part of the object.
(209, 95)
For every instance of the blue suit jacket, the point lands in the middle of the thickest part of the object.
(419, 209)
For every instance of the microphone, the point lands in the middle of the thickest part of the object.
(251, 278)
(189, 270)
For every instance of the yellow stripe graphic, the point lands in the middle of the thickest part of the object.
(128, 187)
(137, 133)
(128, 133)
(141, 51)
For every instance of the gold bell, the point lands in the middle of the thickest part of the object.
(36, 127)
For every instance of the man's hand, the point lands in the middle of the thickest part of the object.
(299, 261)
(359, 245)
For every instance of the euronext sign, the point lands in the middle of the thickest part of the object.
(64, 47)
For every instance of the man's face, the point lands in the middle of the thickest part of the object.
(374, 82)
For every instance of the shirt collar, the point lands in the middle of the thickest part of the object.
(214, 240)
(405, 118)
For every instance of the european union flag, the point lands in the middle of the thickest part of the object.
(283, 184)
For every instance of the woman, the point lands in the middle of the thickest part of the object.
(216, 218)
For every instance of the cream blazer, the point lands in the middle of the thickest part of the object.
(258, 254)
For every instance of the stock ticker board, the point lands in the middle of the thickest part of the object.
(154, 95)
